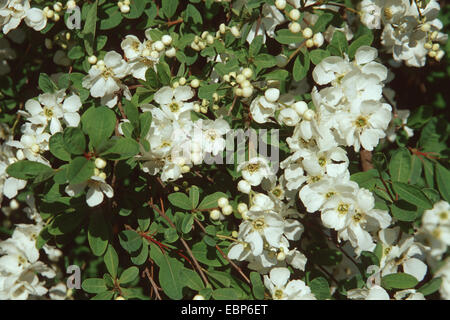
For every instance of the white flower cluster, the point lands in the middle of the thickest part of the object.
(411, 29)
(175, 141)
(20, 268)
(104, 78)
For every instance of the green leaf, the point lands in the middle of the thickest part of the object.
(89, 28)
(364, 40)
(113, 17)
(27, 170)
(416, 169)
(170, 273)
(264, 60)
(322, 22)
(98, 233)
(164, 73)
(431, 287)
(412, 194)
(180, 200)
(257, 285)
(98, 123)
(338, 45)
(107, 295)
(80, 170)
(192, 279)
(443, 181)
(194, 195)
(301, 65)
(285, 36)
(145, 120)
(74, 140)
(58, 148)
(66, 222)
(169, 7)
(46, 84)
(130, 240)
(129, 275)
(123, 148)
(75, 53)
(210, 201)
(225, 294)
(94, 285)
(398, 281)
(404, 211)
(318, 55)
(186, 224)
(255, 46)
(400, 165)
(320, 288)
(428, 168)
(193, 13)
(111, 261)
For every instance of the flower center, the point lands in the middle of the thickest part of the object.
(278, 294)
(253, 167)
(329, 194)
(259, 224)
(436, 233)
(443, 215)
(388, 13)
(361, 122)
(322, 161)
(342, 208)
(314, 179)
(107, 73)
(174, 107)
(48, 112)
(357, 217)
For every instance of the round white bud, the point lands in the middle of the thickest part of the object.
(318, 39)
(56, 17)
(244, 187)
(307, 33)
(294, 14)
(102, 175)
(242, 207)
(198, 297)
(125, 8)
(309, 43)
(71, 4)
(176, 189)
(439, 55)
(96, 172)
(235, 31)
(13, 204)
(214, 214)
(176, 84)
(185, 169)
(166, 40)
(239, 92)
(35, 148)
(100, 63)
(209, 39)
(195, 83)
(92, 59)
(100, 163)
(272, 94)
(196, 107)
(247, 72)
(158, 45)
(227, 210)
(222, 202)
(154, 54)
(425, 27)
(204, 110)
(281, 256)
(247, 92)
(432, 54)
(49, 14)
(434, 35)
(57, 7)
(119, 298)
(222, 28)
(182, 81)
(234, 234)
(280, 4)
(171, 52)
(240, 78)
(435, 47)
(294, 27)
(428, 45)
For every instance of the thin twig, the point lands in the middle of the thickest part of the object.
(152, 282)
(225, 256)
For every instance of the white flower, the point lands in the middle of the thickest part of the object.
(103, 80)
(444, 273)
(262, 226)
(32, 144)
(97, 188)
(36, 19)
(255, 170)
(51, 108)
(282, 289)
(12, 12)
(212, 139)
(173, 101)
(261, 109)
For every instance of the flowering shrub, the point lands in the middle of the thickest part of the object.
(224, 149)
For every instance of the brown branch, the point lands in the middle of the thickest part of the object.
(366, 160)
(186, 246)
(171, 23)
(152, 282)
(292, 56)
(238, 269)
